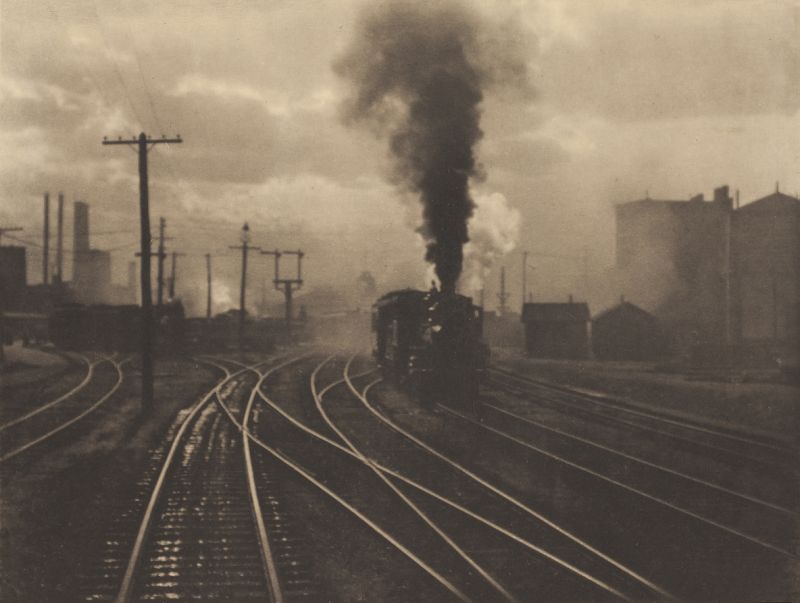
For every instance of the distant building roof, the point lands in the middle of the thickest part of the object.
(555, 312)
(624, 308)
(773, 202)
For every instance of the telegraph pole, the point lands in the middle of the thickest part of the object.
(46, 237)
(142, 143)
(208, 279)
(59, 278)
(524, 276)
(287, 285)
(245, 246)
(174, 255)
(160, 274)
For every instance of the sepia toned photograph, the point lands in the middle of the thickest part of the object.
(337, 301)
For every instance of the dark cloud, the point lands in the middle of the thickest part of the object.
(418, 74)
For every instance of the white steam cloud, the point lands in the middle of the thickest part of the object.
(493, 233)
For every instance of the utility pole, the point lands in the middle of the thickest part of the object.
(8, 229)
(287, 285)
(142, 143)
(245, 246)
(208, 280)
(174, 255)
(503, 296)
(524, 276)
(160, 274)
(59, 278)
(46, 243)
(586, 273)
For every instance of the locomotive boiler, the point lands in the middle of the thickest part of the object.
(432, 342)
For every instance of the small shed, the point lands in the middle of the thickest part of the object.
(556, 330)
(626, 332)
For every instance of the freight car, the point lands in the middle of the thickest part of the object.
(432, 342)
(111, 328)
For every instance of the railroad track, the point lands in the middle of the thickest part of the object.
(489, 542)
(20, 390)
(17, 406)
(772, 551)
(196, 537)
(734, 446)
(40, 425)
(365, 511)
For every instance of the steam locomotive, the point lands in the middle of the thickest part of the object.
(432, 342)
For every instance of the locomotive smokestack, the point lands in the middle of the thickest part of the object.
(418, 72)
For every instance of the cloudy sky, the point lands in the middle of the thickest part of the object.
(673, 98)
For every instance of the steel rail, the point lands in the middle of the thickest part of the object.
(641, 461)
(421, 488)
(660, 431)
(318, 395)
(297, 468)
(276, 593)
(624, 407)
(519, 504)
(87, 378)
(126, 587)
(621, 485)
(75, 419)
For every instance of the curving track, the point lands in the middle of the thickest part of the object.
(758, 533)
(41, 424)
(197, 537)
(508, 546)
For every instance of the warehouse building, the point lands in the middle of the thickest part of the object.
(626, 332)
(556, 330)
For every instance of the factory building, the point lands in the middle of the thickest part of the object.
(766, 271)
(556, 330)
(716, 277)
(671, 256)
(13, 277)
(91, 268)
(626, 332)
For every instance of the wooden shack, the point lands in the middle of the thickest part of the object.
(556, 330)
(626, 332)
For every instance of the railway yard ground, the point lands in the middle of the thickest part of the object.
(302, 476)
(755, 400)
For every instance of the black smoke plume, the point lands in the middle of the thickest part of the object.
(418, 72)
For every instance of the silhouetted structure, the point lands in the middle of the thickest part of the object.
(91, 268)
(626, 332)
(672, 257)
(556, 330)
(766, 270)
(722, 281)
(13, 277)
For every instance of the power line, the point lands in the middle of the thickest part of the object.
(110, 54)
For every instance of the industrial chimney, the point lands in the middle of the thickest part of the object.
(80, 243)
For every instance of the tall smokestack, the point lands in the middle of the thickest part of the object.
(46, 243)
(418, 72)
(80, 241)
(60, 241)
